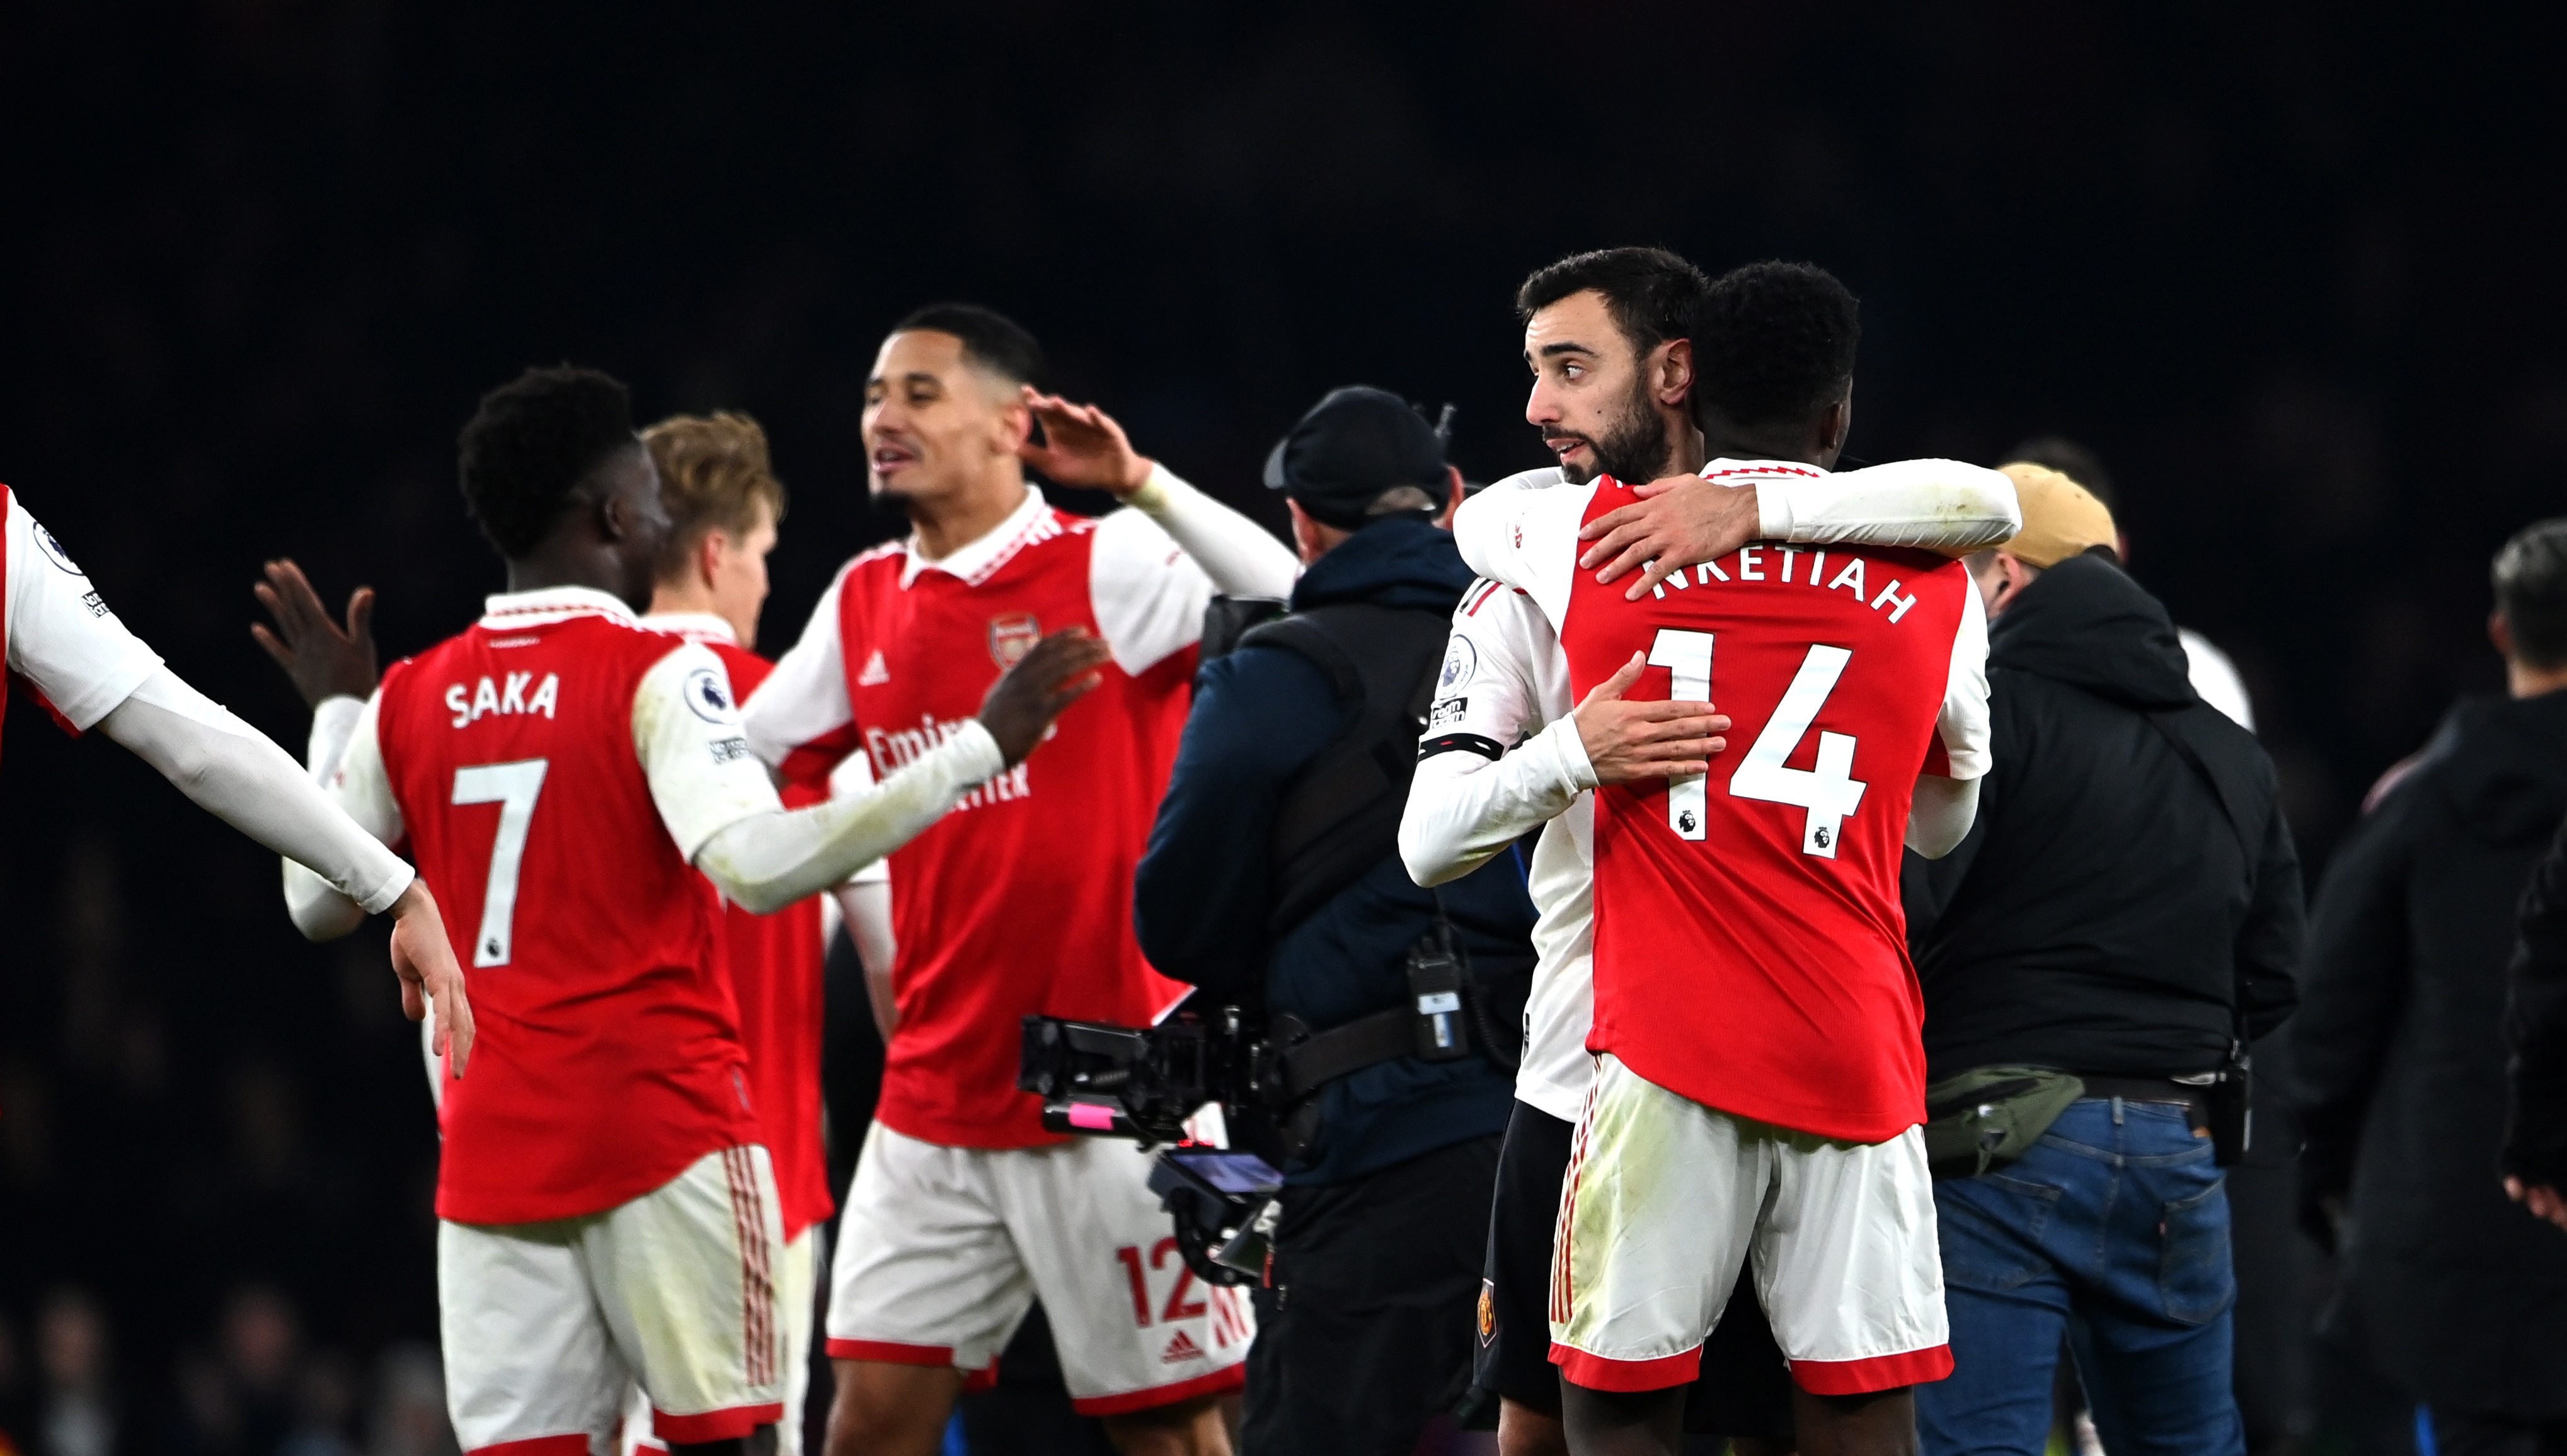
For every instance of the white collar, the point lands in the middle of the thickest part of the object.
(502, 610)
(973, 560)
(694, 625)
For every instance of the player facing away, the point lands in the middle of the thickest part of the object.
(963, 1210)
(89, 671)
(606, 1212)
(1609, 342)
(725, 505)
(1759, 1074)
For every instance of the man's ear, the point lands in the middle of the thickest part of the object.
(1674, 371)
(1452, 496)
(2500, 635)
(1837, 423)
(709, 554)
(608, 510)
(1015, 425)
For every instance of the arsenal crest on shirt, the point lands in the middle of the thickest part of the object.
(1012, 636)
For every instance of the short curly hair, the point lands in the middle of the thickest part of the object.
(1774, 343)
(531, 444)
(714, 471)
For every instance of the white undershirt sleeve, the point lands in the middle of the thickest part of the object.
(234, 772)
(1942, 506)
(805, 698)
(1962, 725)
(61, 637)
(724, 813)
(355, 781)
(1154, 567)
(1464, 806)
(1938, 817)
(1526, 538)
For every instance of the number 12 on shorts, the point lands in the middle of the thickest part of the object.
(1828, 792)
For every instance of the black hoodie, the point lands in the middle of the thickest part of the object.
(2458, 1295)
(2103, 916)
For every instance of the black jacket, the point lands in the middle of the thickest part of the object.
(2103, 915)
(2535, 1028)
(1200, 898)
(2460, 1296)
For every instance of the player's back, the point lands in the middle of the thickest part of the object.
(609, 1058)
(1750, 950)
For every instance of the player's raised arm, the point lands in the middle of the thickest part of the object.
(1082, 446)
(1944, 506)
(709, 787)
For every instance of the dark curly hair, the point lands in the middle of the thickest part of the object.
(1651, 293)
(1774, 343)
(525, 452)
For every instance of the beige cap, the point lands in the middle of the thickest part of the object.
(2059, 518)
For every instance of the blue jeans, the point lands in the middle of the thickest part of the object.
(2113, 1231)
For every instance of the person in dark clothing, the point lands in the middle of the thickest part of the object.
(2124, 911)
(1365, 1333)
(2459, 1296)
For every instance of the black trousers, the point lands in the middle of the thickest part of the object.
(1367, 1334)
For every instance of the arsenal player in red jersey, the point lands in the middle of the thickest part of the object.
(1759, 1073)
(725, 505)
(963, 1210)
(606, 1213)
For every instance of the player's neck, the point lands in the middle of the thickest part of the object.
(1757, 444)
(556, 564)
(949, 523)
(683, 599)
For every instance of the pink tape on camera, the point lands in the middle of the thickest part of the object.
(1092, 1117)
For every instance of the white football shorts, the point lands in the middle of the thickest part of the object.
(798, 1314)
(1666, 1198)
(547, 1326)
(941, 1251)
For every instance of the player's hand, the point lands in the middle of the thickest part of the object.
(1680, 521)
(1083, 447)
(323, 660)
(1058, 672)
(2542, 1200)
(428, 971)
(1627, 743)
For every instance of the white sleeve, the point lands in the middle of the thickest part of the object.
(61, 637)
(1942, 506)
(688, 735)
(1148, 587)
(1962, 727)
(334, 726)
(853, 777)
(2215, 679)
(234, 772)
(356, 782)
(767, 861)
(805, 698)
(1526, 538)
(1241, 558)
(1476, 790)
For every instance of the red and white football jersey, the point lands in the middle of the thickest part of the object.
(56, 633)
(1750, 951)
(776, 979)
(1019, 900)
(553, 768)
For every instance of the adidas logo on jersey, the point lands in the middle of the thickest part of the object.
(1181, 1349)
(875, 673)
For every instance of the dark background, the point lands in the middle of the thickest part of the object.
(2291, 268)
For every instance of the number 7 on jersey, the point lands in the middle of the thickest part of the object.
(513, 787)
(1829, 791)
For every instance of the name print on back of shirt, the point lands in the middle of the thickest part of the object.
(1751, 563)
(509, 696)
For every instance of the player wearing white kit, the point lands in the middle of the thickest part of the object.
(1504, 756)
(963, 1210)
(88, 670)
(607, 1214)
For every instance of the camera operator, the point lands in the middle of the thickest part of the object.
(1272, 878)
(2123, 917)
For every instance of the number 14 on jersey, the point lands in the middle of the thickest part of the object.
(1829, 793)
